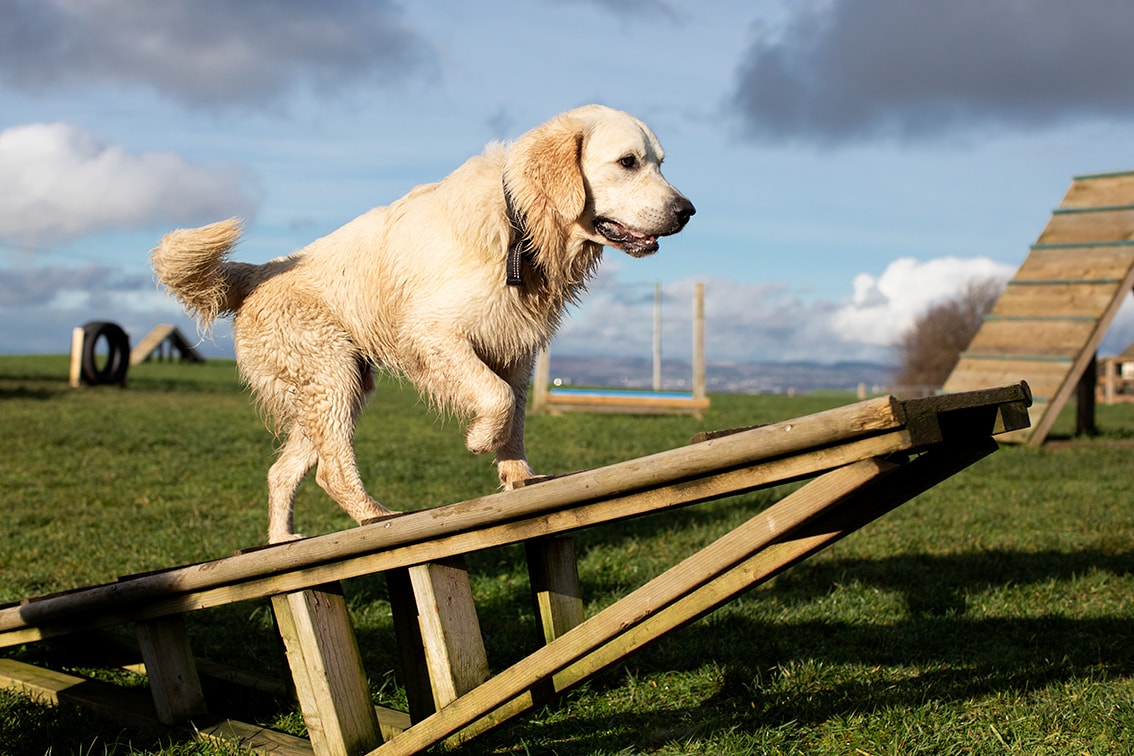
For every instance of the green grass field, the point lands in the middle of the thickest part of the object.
(992, 615)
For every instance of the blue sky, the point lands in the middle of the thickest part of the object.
(852, 161)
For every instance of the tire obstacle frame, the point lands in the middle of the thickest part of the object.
(85, 367)
(859, 462)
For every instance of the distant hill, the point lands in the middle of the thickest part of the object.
(727, 377)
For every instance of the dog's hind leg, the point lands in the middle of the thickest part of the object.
(331, 409)
(296, 458)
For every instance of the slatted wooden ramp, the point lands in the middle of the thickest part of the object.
(1047, 326)
(858, 461)
(165, 339)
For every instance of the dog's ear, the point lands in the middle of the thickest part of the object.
(543, 172)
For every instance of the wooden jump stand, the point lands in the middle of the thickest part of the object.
(862, 461)
(558, 401)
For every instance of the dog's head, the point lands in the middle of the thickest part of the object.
(596, 171)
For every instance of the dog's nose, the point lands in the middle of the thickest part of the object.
(683, 210)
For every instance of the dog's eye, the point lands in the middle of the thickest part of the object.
(629, 161)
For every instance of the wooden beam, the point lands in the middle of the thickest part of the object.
(329, 678)
(171, 669)
(450, 632)
(554, 576)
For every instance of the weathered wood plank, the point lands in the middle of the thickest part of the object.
(1100, 190)
(256, 739)
(1066, 300)
(450, 631)
(330, 681)
(1082, 263)
(1044, 377)
(171, 669)
(133, 708)
(1100, 225)
(554, 577)
(1047, 337)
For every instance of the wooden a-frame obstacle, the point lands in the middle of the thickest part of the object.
(860, 462)
(1047, 326)
(163, 340)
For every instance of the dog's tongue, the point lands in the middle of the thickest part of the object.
(629, 241)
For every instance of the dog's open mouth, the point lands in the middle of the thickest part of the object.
(630, 242)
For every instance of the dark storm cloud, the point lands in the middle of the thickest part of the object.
(854, 69)
(207, 52)
(40, 285)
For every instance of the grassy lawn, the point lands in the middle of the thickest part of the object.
(993, 614)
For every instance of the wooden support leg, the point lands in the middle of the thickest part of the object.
(554, 579)
(174, 683)
(1085, 396)
(329, 679)
(437, 616)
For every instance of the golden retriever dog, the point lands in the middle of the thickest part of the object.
(456, 287)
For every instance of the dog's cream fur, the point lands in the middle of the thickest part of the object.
(418, 288)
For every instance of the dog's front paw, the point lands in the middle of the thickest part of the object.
(512, 471)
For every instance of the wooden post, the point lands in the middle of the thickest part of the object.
(170, 667)
(657, 336)
(540, 380)
(329, 679)
(554, 579)
(1110, 376)
(439, 618)
(411, 647)
(1085, 396)
(698, 341)
(76, 357)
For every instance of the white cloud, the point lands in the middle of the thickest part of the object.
(61, 183)
(883, 307)
(770, 321)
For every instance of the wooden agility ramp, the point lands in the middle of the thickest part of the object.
(1047, 326)
(165, 339)
(859, 462)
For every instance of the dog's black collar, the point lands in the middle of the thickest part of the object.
(520, 246)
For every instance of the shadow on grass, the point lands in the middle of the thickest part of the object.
(780, 674)
(765, 689)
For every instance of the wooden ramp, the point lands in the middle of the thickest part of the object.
(860, 462)
(165, 339)
(1047, 326)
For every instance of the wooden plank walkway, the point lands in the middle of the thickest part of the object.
(1047, 326)
(862, 461)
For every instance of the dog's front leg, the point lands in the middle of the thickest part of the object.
(455, 376)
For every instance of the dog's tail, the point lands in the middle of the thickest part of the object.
(193, 265)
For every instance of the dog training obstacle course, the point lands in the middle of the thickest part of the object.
(860, 462)
(1047, 326)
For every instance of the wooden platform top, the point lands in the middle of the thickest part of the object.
(702, 471)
